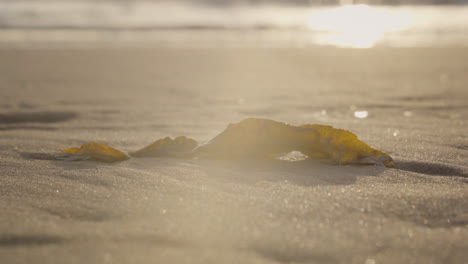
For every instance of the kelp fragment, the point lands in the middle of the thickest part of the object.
(92, 151)
(263, 138)
(168, 147)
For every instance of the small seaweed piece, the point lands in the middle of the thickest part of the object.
(92, 151)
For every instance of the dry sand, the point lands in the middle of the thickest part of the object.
(182, 211)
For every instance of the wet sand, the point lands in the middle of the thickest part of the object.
(187, 211)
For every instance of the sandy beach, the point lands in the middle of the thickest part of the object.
(159, 210)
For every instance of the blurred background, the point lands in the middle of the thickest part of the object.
(344, 23)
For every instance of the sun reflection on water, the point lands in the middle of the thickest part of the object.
(357, 26)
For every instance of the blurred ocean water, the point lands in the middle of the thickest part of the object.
(164, 23)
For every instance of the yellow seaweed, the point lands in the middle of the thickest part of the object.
(263, 138)
(94, 151)
(344, 147)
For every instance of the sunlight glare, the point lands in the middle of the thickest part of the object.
(357, 26)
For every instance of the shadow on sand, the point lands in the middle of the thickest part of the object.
(434, 169)
(36, 117)
(34, 120)
(29, 240)
(304, 173)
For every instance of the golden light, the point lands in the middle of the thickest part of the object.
(357, 26)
